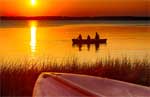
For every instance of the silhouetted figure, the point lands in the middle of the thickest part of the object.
(88, 37)
(97, 37)
(80, 37)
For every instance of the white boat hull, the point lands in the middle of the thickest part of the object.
(73, 85)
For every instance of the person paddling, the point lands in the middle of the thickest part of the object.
(80, 37)
(97, 37)
(88, 37)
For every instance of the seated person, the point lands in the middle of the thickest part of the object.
(80, 37)
(97, 37)
(88, 37)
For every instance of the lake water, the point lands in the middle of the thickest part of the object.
(53, 39)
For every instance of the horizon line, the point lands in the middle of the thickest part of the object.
(75, 17)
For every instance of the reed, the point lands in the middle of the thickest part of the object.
(19, 81)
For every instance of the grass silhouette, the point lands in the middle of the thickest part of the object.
(19, 81)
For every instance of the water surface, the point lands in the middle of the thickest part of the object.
(41, 39)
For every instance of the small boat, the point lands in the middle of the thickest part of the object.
(91, 41)
(51, 84)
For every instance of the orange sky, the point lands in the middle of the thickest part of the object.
(74, 8)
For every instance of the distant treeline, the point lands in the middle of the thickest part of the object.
(74, 18)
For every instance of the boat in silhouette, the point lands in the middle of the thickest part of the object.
(91, 41)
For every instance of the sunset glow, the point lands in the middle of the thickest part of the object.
(74, 7)
(33, 2)
(41, 40)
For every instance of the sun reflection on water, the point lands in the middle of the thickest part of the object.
(33, 30)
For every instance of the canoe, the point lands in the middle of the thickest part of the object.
(91, 41)
(75, 85)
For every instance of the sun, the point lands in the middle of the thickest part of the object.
(33, 2)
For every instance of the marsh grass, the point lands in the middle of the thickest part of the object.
(17, 78)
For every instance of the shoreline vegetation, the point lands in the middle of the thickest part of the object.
(18, 77)
(75, 18)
